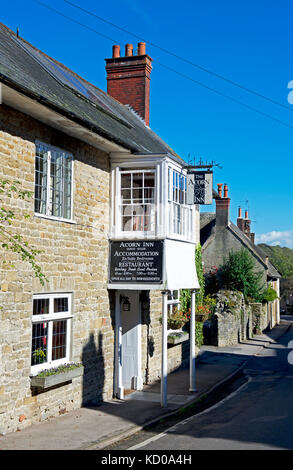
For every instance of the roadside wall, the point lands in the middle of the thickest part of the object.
(231, 321)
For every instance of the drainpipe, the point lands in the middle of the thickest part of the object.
(164, 372)
(192, 386)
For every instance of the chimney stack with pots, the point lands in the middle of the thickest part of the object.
(128, 78)
(222, 207)
(240, 220)
(244, 225)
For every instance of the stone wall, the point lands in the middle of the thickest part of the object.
(231, 321)
(73, 258)
(259, 317)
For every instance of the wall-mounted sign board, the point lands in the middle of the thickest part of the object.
(200, 187)
(136, 262)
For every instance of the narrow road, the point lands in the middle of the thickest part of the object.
(257, 416)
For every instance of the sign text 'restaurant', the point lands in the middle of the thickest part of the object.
(136, 261)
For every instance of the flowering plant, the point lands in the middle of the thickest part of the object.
(177, 319)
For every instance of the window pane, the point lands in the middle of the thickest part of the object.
(126, 180)
(40, 306)
(56, 190)
(137, 180)
(149, 195)
(41, 175)
(67, 174)
(126, 196)
(59, 339)
(137, 195)
(149, 180)
(60, 304)
(39, 343)
(127, 223)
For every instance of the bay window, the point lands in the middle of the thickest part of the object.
(51, 331)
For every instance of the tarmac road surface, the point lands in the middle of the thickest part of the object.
(257, 416)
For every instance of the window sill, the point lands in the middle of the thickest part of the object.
(56, 379)
(58, 219)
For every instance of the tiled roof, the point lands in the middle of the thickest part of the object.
(40, 77)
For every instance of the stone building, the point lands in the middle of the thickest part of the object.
(219, 236)
(109, 215)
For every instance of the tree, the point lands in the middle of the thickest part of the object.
(239, 274)
(9, 240)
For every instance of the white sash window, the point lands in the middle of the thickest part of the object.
(137, 201)
(180, 214)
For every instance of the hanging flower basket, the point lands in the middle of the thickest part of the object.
(176, 320)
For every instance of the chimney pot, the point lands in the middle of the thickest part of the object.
(246, 214)
(220, 189)
(116, 51)
(239, 213)
(225, 190)
(141, 48)
(128, 50)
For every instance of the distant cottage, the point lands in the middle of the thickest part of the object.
(219, 236)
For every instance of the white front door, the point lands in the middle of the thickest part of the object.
(131, 341)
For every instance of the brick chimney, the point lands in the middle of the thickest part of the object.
(244, 225)
(222, 207)
(128, 78)
(240, 220)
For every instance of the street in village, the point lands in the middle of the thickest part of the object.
(258, 415)
(243, 401)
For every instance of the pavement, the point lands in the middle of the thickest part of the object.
(99, 427)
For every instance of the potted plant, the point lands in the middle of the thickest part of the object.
(39, 356)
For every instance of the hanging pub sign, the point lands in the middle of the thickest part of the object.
(138, 262)
(200, 187)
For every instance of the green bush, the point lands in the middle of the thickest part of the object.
(238, 274)
(269, 295)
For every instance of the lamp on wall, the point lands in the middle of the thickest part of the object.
(125, 303)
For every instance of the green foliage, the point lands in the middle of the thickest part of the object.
(11, 241)
(185, 296)
(39, 356)
(269, 295)
(199, 339)
(281, 258)
(199, 269)
(238, 274)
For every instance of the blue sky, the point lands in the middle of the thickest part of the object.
(249, 43)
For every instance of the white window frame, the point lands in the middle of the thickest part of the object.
(187, 214)
(47, 215)
(50, 318)
(173, 302)
(117, 206)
